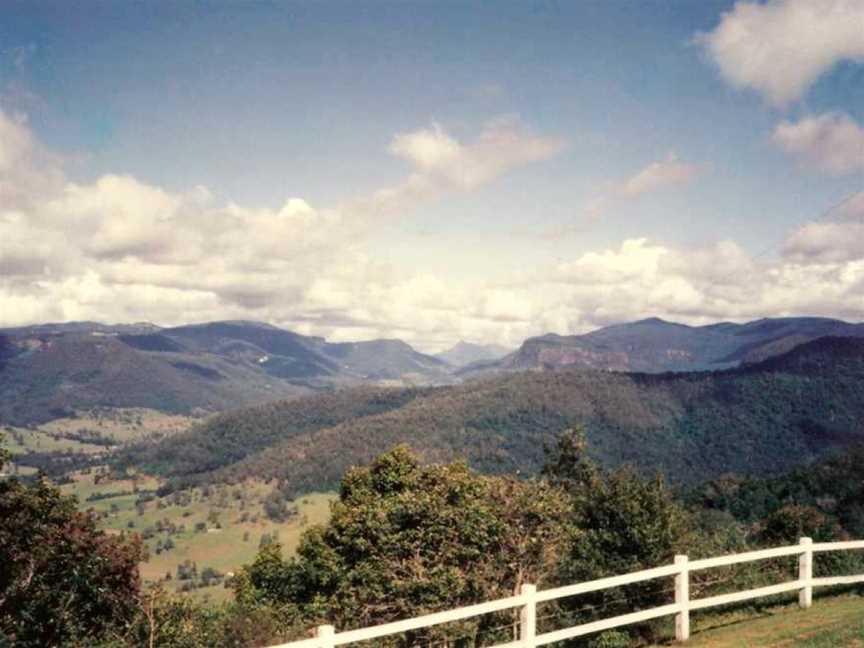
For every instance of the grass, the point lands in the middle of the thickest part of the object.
(25, 440)
(832, 622)
(89, 431)
(232, 516)
(121, 424)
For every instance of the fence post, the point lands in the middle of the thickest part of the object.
(528, 616)
(805, 573)
(325, 633)
(682, 599)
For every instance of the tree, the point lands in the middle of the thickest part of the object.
(60, 577)
(568, 465)
(405, 539)
(620, 522)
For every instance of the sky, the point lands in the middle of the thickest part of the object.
(431, 171)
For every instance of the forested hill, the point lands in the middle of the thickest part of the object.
(655, 346)
(758, 419)
(54, 371)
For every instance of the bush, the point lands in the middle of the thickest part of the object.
(60, 577)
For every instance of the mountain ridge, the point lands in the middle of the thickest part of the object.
(654, 345)
(52, 371)
(760, 418)
(215, 366)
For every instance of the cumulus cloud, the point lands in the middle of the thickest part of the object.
(120, 249)
(656, 176)
(443, 165)
(781, 47)
(826, 243)
(832, 143)
(25, 170)
(503, 144)
(703, 285)
(428, 149)
(660, 174)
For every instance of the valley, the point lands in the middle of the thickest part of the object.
(52, 371)
(205, 489)
(763, 418)
(195, 539)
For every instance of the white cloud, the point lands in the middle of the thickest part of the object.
(660, 174)
(781, 47)
(832, 142)
(25, 170)
(826, 243)
(503, 144)
(656, 176)
(119, 249)
(429, 149)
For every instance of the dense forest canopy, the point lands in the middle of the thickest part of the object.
(407, 538)
(763, 418)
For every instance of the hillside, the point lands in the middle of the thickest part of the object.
(51, 371)
(761, 418)
(654, 345)
(54, 370)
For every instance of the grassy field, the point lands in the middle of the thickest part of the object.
(217, 527)
(24, 440)
(120, 424)
(91, 432)
(830, 623)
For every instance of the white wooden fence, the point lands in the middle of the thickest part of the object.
(528, 599)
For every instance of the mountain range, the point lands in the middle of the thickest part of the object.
(49, 371)
(656, 346)
(761, 418)
(52, 370)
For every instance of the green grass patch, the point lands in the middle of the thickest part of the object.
(831, 622)
(220, 527)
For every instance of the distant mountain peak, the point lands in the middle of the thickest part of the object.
(238, 323)
(655, 345)
(655, 320)
(465, 353)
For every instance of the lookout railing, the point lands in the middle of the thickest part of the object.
(529, 598)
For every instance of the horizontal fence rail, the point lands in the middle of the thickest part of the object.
(528, 599)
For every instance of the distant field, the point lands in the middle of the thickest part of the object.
(92, 432)
(121, 424)
(229, 519)
(830, 623)
(26, 440)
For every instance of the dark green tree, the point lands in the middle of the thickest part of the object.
(619, 522)
(61, 579)
(406, 539)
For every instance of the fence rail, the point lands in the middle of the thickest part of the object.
(528, 599)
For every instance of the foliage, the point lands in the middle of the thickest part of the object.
(760, 419)
(834, 486)
(405, 539)
(620, 522)
(172, 621)
(60, 578)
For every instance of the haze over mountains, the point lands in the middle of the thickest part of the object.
(464, 353)
(52, 370)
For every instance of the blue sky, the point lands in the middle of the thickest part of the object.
(524, 130)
